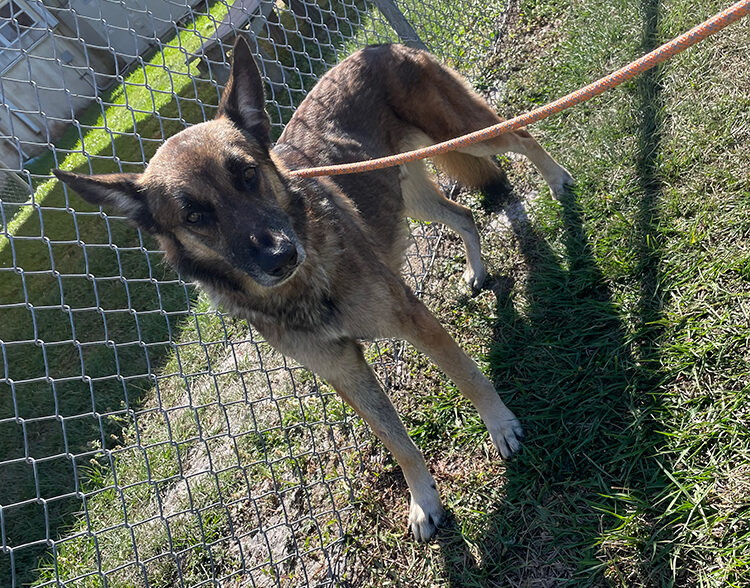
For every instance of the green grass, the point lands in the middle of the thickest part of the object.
(618, 333)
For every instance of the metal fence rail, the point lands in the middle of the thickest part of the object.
(145, 438)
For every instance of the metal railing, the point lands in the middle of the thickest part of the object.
(145, 438)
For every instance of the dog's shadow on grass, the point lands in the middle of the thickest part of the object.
(582, 394)
(582, 499)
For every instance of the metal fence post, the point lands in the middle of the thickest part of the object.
(396, 19)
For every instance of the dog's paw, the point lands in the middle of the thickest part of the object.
(425, 515)
(506, 433)
(473, 280)
(562, 183)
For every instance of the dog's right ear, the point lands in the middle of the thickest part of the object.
(120, 192)
(243, 101)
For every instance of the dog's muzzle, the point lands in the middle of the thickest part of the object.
(277, 264)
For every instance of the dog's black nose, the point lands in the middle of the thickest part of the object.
(279, 261)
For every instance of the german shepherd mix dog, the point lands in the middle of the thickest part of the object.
(314, 264)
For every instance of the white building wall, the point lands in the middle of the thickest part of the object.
(48, 75)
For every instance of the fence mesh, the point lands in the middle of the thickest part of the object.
(145, 437)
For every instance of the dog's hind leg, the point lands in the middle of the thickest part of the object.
(522, 142)
(424, 200)
(416, 324)
(442, 105)
(344, 367)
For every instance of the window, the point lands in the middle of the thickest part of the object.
(22, 25)
(15, 20)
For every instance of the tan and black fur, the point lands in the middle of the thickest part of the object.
(314, 264)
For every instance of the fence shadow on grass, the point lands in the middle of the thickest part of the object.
(91, 316)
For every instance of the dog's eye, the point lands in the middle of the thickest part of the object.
(248, 175)
(194, 218)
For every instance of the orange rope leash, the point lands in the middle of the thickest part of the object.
(677, 45)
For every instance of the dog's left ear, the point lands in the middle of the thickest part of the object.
(243, 101)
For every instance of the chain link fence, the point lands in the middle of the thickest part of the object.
(147, 439)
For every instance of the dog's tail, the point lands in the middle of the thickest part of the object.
(472, 172)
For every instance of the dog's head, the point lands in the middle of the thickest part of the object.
(212, 194)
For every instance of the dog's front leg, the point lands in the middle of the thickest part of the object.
(416, 324)
(344, 367)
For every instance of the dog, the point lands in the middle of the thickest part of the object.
(314, 264)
